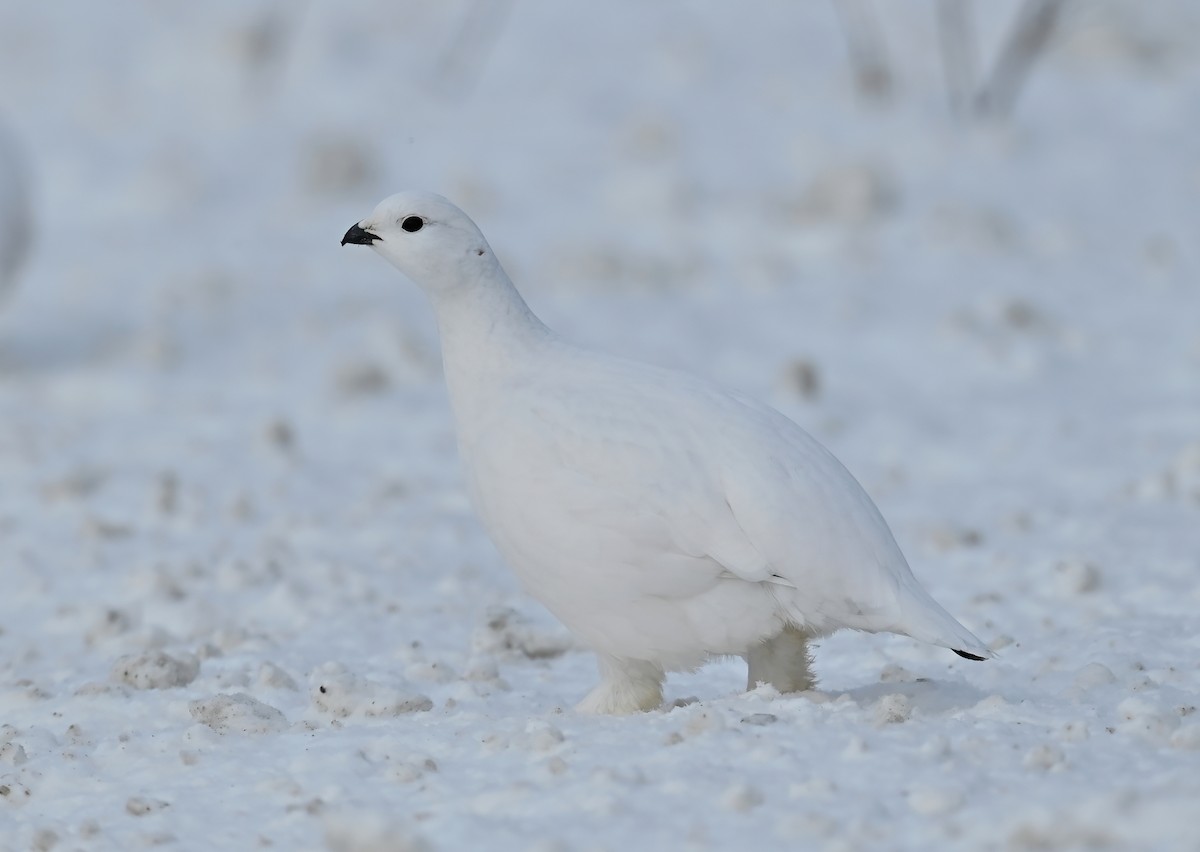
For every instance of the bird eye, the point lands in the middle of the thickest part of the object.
(413, 224)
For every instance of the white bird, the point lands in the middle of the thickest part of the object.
(662, 519)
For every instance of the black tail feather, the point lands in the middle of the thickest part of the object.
(967, 656)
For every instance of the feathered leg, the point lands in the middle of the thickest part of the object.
(626, 686)
(782, 661)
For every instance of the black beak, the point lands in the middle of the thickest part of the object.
(359, 236)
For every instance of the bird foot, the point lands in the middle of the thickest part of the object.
(626, 686)
(783, 661)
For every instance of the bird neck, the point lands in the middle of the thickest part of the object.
(487, 333)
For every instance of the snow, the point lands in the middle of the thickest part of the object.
(225, 441)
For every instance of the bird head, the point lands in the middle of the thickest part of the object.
(425, 237)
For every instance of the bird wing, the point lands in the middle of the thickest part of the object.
(676, 486)
(815, 528)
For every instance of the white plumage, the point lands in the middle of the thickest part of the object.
(662, 519)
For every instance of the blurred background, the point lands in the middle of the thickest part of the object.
(957, 241)
(934, 206)
(954, 240)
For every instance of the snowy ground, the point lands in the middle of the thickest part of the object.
(243, 600)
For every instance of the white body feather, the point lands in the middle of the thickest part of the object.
(664, 519)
